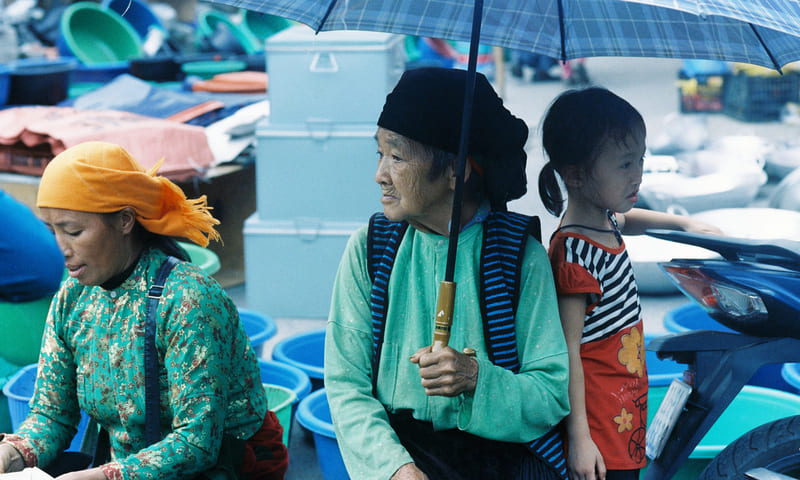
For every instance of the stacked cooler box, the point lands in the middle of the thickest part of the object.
(316, 159)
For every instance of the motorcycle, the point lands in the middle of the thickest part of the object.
(754, 289)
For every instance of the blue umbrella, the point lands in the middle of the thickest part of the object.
(760, 32)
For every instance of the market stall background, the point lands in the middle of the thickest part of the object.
(288, 165)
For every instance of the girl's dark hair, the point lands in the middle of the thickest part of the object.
(574, 128)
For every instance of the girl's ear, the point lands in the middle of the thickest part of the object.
(572, 176)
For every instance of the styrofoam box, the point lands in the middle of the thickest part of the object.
(323, 170)
(341, 75)
(290, 265)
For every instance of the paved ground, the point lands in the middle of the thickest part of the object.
(650, 85)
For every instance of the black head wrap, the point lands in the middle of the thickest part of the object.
(426, 105)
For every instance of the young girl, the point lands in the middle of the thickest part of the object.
(595, 141)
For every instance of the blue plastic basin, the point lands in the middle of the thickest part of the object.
(315, 416)
(305, 351)
(259, 329)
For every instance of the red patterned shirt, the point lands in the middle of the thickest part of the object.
(612, 344)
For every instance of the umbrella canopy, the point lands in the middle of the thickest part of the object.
(761, 32)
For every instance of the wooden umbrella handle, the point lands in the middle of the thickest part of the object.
(444, 315)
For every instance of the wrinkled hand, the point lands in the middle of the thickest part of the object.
(584, 460)
(10, 459)
(409, 471)
(446, 372)
(91, 474)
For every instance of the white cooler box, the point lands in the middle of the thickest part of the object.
(322, 170)
(342, 75)
(290, 265)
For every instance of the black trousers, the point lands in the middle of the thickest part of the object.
(68, 462)
(622, 474)
(456, 455)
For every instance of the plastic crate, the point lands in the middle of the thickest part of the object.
(754, 98)
(338, 76)
(334, 160)
(290, 265)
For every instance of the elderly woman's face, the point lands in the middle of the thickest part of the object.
(407, 192)
(90, 243)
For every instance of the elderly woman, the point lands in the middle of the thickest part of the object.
(485, 406)
(149, 346)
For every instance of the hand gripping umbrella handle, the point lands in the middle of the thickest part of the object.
(444, 315)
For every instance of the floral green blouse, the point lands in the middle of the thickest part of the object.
(92, 358)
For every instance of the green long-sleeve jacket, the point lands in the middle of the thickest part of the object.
(92, 359)
(504, 406)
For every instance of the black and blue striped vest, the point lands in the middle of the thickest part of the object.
(504, 237)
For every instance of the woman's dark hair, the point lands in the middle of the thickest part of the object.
(475, 186)
(574, 128)
(164, 243)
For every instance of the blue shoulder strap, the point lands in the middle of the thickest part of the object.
(383, 238)
(504, 237)
(151, 386)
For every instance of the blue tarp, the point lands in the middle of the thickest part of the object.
(130, 94)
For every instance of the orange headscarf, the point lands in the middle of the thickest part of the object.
(102, 177)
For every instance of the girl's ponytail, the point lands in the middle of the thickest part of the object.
(550, 190)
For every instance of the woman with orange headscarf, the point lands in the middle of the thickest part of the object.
(184, 402)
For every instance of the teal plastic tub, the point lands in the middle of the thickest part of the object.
(753, 406)
(203, 257)
(280, 401)
(212, 24)
(97, 35)
(207, 69)
(26, 320)
(276, 373)
(262, 25)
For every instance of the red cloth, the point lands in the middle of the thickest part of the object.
(265, 455)
(615, 380)
(31, 136)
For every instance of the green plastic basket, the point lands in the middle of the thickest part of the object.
(202, 257)
(209, 21)
(280, 400)
(98, 35)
